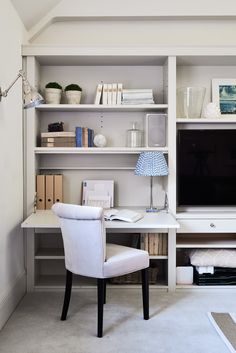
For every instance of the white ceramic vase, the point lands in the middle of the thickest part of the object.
(53, 95)
(73, 97)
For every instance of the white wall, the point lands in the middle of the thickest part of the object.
(12, 278)
(139, 32)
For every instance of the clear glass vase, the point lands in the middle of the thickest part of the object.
(190, 102)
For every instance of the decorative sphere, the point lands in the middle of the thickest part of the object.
(100, 140)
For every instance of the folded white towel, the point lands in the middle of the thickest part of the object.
(213, 257)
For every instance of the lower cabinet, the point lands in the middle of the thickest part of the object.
(206, 235)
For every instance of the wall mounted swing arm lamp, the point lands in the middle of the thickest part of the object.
(31, 98)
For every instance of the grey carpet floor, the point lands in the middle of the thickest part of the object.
(178, 323)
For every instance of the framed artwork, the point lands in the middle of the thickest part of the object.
(224, 95)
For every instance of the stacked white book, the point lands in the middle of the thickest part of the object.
(137, 96)
(108, 94)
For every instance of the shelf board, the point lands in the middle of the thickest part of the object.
(58, 282)
(100, 107)
(58, 253)
(194, 287)
(221, 120)
(86, 168)
(49, 254)
(96, 150)
(206, 241)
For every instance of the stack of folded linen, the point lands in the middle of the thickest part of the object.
(214, 266)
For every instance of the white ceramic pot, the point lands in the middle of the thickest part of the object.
(53, 95)
(73, 97)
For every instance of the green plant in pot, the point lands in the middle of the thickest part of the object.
(73, 93)
(53, 91)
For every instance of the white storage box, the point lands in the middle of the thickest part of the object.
(184, 275)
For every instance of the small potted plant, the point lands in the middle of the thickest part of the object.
(53, 93)
(73, 93)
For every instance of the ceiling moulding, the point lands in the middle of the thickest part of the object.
(48, 20)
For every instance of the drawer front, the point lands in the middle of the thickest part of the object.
(207, 226)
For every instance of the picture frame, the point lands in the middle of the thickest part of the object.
(224, 96)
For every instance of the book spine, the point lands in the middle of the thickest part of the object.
(78, 132)
(58, 134)
(98, 94)
(114, 94)
(119, 93)
(105, 94)
(84, 137)
(90, 137)
(109, 94)
(146, 241)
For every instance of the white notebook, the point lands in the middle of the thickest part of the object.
(122, 215)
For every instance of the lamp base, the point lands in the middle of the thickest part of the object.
(152, 209)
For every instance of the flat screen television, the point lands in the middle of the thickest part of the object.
(206, 167)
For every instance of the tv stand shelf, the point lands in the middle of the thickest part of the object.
(190, 241)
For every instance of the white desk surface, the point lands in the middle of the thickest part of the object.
(160, 220)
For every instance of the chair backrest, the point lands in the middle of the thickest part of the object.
(84, 240)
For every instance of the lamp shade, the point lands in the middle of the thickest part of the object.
(151, 164)
(31, 97)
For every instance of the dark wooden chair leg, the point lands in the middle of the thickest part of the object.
(145, 292)
(105, 290)
(67, 295)
(100, 294)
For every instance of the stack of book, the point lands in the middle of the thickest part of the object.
(108, 94)
(154, 243)
(84, 137)
(137, 96)
(58, 139)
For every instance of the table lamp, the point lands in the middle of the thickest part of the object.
(151, 164)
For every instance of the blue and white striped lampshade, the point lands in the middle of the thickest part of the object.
(151, 164)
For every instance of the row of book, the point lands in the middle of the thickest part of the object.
(155, 243)
(84, 136)
(49, 189)
(135, 277)
(108, 94)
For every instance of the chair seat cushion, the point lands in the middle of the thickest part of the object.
(121, 260)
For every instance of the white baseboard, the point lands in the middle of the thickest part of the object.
(12, 298)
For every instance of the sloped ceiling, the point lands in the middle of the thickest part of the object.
(31, 11)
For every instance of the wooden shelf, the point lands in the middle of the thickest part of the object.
(96, 150)
(100, 107)
(158, 257)
(206, 241)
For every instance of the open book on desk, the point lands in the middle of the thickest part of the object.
(122, 215)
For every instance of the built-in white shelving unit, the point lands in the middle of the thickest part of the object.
(163, 69)
(88, 67)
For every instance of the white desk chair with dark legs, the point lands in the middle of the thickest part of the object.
(87, 254)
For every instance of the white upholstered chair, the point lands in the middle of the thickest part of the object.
(87, 254)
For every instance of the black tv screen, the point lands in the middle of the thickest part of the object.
(206, 167)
